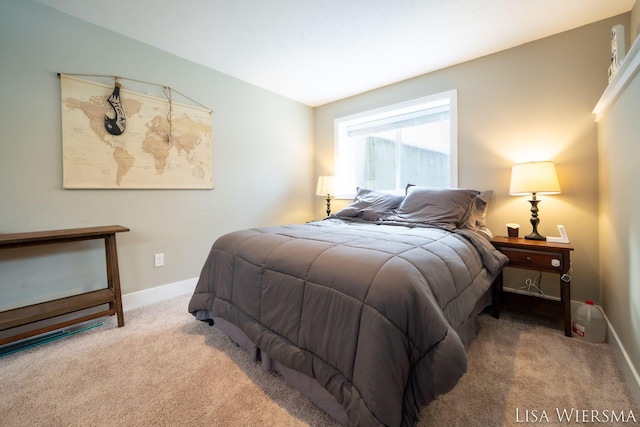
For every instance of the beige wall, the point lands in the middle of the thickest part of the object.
(262, 150)
(532, 102)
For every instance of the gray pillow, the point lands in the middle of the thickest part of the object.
(447, 208)
(371, 205)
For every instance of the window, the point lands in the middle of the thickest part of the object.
(386, 149)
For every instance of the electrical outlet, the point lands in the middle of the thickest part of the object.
(159, 260)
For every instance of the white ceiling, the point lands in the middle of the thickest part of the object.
(318, 51)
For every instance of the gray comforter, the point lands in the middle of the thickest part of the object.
(367, 310)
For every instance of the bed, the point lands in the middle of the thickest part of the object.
(368, 312)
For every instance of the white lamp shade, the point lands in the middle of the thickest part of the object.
(534, 177)
(325, 186)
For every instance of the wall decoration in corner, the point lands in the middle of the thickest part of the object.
(617, 49)
(165, 145)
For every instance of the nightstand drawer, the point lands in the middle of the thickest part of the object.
(537, 260)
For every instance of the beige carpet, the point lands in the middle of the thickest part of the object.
(166, 369)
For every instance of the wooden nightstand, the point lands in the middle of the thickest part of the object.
(540, 256)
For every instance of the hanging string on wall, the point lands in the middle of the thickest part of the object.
(116, 125)
(117, 78)
(167, 92)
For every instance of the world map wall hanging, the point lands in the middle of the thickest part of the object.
(114, 138)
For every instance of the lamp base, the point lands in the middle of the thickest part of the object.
(535, 236)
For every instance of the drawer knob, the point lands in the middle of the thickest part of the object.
(528, 259)
(555, 262)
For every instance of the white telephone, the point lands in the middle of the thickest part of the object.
(563, 236)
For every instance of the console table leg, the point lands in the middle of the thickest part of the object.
(113, 276)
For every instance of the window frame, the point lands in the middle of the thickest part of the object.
(450, 95)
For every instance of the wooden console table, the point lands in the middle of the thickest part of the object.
(46, 310)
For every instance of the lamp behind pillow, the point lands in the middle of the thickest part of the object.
(477, 216)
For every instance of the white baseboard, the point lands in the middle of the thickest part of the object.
(157, 294)
(626, 365)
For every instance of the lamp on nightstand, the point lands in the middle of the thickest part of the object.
(534, 178)
(325, 188)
